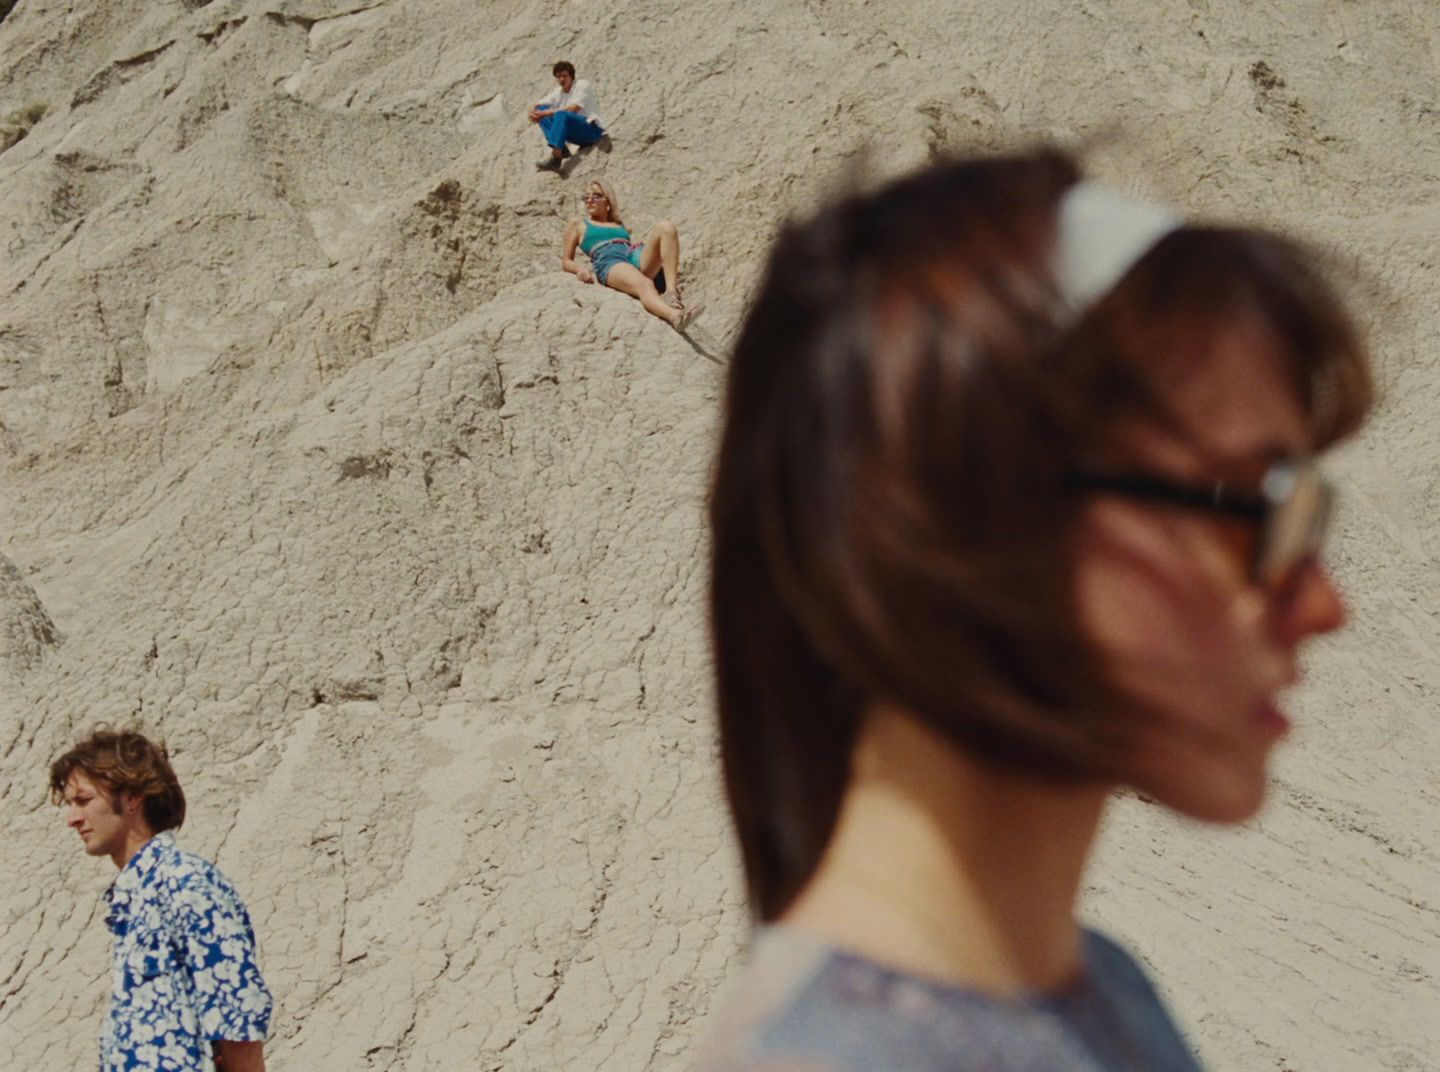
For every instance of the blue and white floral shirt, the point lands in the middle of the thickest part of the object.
(183, 969)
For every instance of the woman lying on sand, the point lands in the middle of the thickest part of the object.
(639, 269)
(1016, 505)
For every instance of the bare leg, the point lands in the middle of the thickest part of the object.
(630, 280)
(662, 250)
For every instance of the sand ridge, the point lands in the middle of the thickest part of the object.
(312, 458)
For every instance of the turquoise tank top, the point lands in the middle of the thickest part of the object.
(595, 233)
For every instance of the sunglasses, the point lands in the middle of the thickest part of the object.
(587, 198)
(1291, 509)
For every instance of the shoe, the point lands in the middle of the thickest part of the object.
(550, 163)
(688, 313)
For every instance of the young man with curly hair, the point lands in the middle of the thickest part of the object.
(186, 992)
(567, 114)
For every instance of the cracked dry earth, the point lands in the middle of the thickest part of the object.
(311, 458)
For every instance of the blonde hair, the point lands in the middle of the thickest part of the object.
(610, 197)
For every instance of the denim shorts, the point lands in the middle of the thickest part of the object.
(608, 254)
(619, 251)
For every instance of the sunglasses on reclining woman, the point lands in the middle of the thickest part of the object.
(1291, 509)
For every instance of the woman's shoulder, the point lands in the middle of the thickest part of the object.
(1121, 983)
(762, 1065)
(768, 993)
(801, 1005)
(1114, 965)
(805, 1006)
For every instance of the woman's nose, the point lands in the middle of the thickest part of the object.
(1312, 604)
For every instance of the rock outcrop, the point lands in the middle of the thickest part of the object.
(26, 631)
(326, 473)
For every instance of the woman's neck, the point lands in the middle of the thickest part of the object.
(943, 867)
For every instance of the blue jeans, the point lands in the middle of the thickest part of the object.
(560, 127)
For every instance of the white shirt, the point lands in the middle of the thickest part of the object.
(581, 93)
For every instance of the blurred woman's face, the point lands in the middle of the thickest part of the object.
(1169, 597)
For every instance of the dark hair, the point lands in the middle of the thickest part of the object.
(564, 66)
(128, 762)
(890, 518)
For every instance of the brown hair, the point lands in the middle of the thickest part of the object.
(125, 762)
(890, 512)
(563, 65)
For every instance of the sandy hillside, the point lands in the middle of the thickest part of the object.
(312, 458)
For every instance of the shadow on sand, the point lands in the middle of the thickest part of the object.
(571, 162)
(703, 344)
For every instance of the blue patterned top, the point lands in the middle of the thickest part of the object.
(183, 970)
(803, 1006)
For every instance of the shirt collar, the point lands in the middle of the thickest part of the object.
(132, 878)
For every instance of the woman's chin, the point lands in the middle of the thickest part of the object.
(1221, 800)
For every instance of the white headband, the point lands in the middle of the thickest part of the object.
(1102, 234)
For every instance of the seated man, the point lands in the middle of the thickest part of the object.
(567, 113)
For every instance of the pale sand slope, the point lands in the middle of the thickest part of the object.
(313, 459)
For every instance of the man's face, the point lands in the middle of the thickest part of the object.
(566, 80)
(96, 814)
